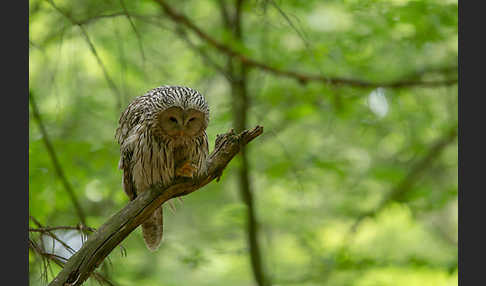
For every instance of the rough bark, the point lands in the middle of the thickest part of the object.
(82, 264)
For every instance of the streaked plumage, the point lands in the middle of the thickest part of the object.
(152, 148)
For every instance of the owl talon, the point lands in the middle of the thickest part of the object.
(187, 170)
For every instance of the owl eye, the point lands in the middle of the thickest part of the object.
(192, 119)
(173, 119)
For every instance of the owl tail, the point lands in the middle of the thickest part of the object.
(152, 229)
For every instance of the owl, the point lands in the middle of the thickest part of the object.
(162, 136)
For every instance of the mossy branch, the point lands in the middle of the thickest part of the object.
(82, 264)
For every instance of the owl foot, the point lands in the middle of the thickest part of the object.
(186, 170)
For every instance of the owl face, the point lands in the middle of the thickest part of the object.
(177, 122)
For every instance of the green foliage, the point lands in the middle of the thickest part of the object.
(325, 157)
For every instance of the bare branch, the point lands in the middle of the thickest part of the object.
(48, 232)
(52, 154)
(301, 77)
(79, 267)
(60, 261)
(35, 221)
(80, 228)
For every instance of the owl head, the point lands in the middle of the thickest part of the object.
(182, 113)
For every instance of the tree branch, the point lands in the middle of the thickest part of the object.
(57, 166)
(79, 227)
(78, 268)
(301, 77)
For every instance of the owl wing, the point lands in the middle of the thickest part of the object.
(127, 180)
(205, 146)
(126, 137)
(202, 150)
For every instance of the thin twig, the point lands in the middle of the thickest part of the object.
(52, 235)
(291, 24)
(92, 48)
(150, 19)
(301, 36)
(60, 261)
(80, 228)
(57, 165)
(137, 34)
(203, 54)
(92, 19)
(36, 222)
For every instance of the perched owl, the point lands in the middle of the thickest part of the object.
(162, 135)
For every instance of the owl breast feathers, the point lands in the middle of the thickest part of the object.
(162, 135)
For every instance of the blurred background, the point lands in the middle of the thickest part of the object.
(354, 181)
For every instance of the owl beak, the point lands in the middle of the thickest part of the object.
(181, 133)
